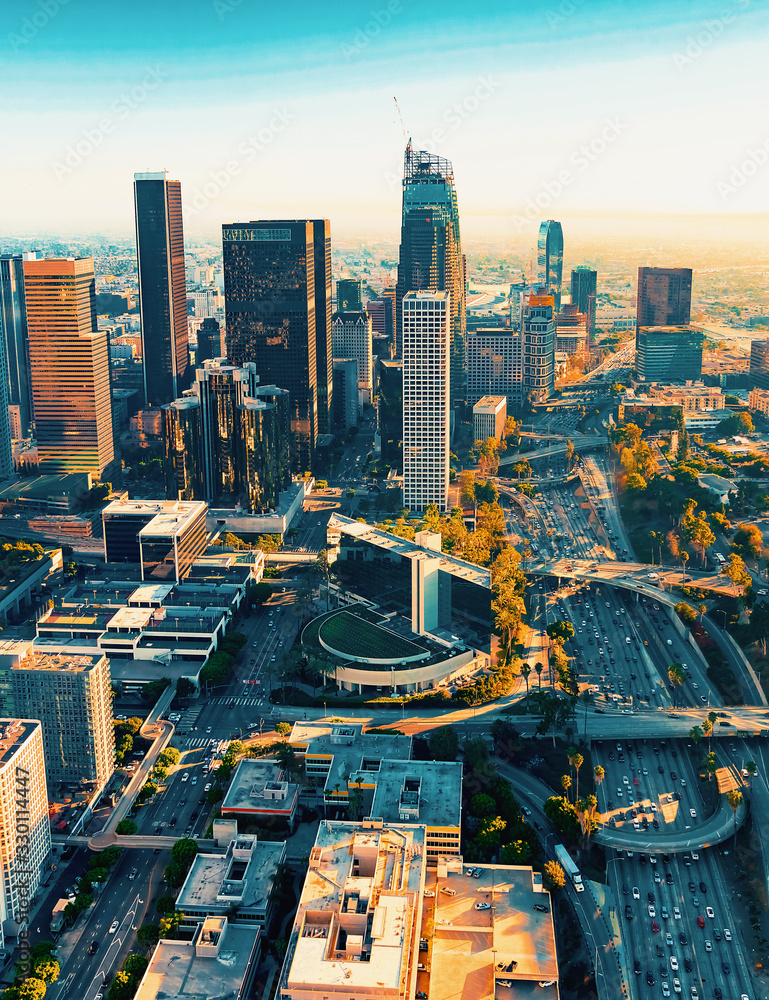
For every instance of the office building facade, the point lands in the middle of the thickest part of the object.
(349, 297)
(668, 354)
(271, 311)
(426, 338)
(550, 259)
(759, 364)
(664, 296)
(71, 694)
(13, 322)
(489, 416)
(25, 845)
(431, 251)
(345, 394)
(584, 282)
(209, 342)
(390, 412)
(69, 367)
(321, 229)
(351, 337)
(538, 336)
(164, 537)
(162, 287)
(495, 364)
(227, 440)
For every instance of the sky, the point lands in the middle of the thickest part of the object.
(547, 108)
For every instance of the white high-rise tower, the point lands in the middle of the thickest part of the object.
(426, 340)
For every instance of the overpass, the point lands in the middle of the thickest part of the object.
(583, 443)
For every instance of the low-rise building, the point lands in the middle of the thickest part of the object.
(489, 415)
(357, 927)
(163, 536)
(239, 883)
(759, 400)
(260, 791)
(220, 961)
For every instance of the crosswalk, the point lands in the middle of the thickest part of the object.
(246, 702)
(197, 741)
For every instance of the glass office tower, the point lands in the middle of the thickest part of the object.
(431, 251)
(13, 321)
(550, 259)
(584, 281)
(162, 287)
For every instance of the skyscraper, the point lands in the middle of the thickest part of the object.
(162, 287)
(426, 339)
(209, 342)
(664, 296)
(668, 353)
(351, 334)
(431, 250)
(270, 302)
(321, 229)
(227, 440)
(13, 321)
(584, 281)
(71, 694)
(759, 364)
(69, 367)
(25, 846)
(550, 260)
(390, 411)
(348, 295)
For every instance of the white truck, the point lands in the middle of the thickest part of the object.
(567, 863)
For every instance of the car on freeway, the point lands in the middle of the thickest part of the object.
(114, 926)
(708, 945)
(665, 989)
(727, 934)
(676, 985)
(726, 967)
(669, 939)
(636, 892)
(710, 912)
(655, 927)
(674, 963)
(676, 913)
(700, 920)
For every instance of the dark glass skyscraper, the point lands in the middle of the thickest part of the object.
(584, 281)
(13, 322)
(209, 342)
(271, 306)
(162, 287)
(431, 250)
(550, 259)
(348, 295)
(664, 296)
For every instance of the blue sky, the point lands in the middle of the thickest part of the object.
(573, 108)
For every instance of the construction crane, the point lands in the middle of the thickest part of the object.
(400, 119)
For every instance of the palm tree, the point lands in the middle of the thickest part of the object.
(592, 803)
(695, 734)
(711, 765)
(702, 608)
(734, 798)
(750, 767)
(525, 671)
(587, 699)
(539, 668)
(576, 760)
(707, 730)
(684, 557)
(676, 676)
(598, 775)
(566, 784)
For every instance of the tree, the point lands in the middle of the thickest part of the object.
(467, 488)
(482, 805)
(47, 969)
(148, 934)
(525, 673)
(695, 734)
(283, 728)
(517, 852)
(598, 775)
(676, 676)
(174, 875)
(490, 833)
(444, 743)
(566, 783)
(707, 730)
(169, 926)
(560, 630)
(183, 852)
(553, 876)
(185, 688)
(576, 760)
(734, 798)
(736, 571)
(539, 668)
(750, 767)
(126, 827)
(165, 904)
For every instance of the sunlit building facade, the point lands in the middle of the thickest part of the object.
(664, 296)
(550, 259)
(69, 367)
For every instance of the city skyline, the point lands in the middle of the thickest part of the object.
(666, 116)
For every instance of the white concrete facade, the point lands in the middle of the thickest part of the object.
(351, 337)
(426, 399)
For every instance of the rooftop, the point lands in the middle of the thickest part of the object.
(259, 788)
(164, 517)
(37, 659)
(355, 925)
(242, 876)
(214, 964)
(468, 944)
(13, 734)
(490, 404)
(430, 790)
(347, 749)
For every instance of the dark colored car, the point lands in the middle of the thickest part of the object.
(683, 939)
(637, 967)
(718, 993)
(692, 887)
(668, 878)
(93, 947)
(628, 912)
(703, 887)
(650, 896)
(650, 978)
(625, 889)
(688, 964)
(541, 908)
(726, 967)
